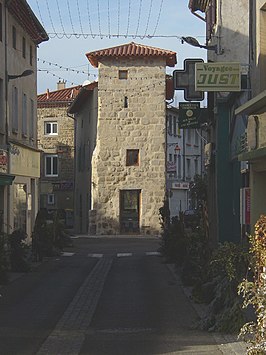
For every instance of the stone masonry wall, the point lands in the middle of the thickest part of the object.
(141, 126)
(62, 145)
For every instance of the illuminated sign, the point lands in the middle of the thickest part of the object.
(218, 77)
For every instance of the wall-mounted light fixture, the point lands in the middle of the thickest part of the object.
(194, 42)
(26, 72)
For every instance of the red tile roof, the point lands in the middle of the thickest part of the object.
(27, 19)
(58, 98)
(132, 50)
(83, 94)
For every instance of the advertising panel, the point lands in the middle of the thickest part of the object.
(218, 77)
(23, 161)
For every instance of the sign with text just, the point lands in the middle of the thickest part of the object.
(218, 77)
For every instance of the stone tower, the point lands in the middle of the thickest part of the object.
(128, 163)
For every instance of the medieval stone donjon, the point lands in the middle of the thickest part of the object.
(128, 163)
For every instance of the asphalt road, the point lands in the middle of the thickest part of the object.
(103, 296)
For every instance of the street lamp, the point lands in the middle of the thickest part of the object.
(26, 72)
(194, 42)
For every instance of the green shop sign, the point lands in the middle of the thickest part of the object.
(218, 77)
(191, 115)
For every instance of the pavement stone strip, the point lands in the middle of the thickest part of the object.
(69, 333)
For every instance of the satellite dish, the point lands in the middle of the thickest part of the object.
(86, 82)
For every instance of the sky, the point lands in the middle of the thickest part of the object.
(76, 27)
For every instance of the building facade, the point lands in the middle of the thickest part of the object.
(185, 154)
(227, 41)
(20, 35)
(85, 112)
(128, 162)
(254, 156)
(56, 143)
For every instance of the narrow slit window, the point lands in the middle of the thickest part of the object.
(125, 102)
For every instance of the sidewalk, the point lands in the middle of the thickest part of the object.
(228, 343)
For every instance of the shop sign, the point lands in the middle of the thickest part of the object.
(180, 185)
(3, 161)
(171, 167)
(218, 76)
(24, 161)
(63, 186)
(189, 115)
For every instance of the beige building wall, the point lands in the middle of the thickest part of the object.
(259, 49)
(19, 201)
(140, 125)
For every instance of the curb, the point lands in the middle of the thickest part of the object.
(228, 344)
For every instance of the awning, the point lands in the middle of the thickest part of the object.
(6, 179)
(255, 106)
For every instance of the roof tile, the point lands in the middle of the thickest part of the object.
(61, 97)
(132, 50)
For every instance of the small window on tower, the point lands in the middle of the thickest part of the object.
(125, 102)
(123, 74)
(132, 157)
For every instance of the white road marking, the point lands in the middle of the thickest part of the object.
(67, 254)
(121, 255)
(95, 255)
(149, 253)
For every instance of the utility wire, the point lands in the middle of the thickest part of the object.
(128, 17)
(50, 17)
(149, 16)
(80, 22)
(158, 18)
(99, 17)
(102, 35)
(109, 21)
(65, 68)
(118, 18)
(57, 76)
(89, 17)
(140, 7)
(40, 13)
(70, 17)
(60, 17)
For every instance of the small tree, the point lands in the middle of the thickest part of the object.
(254, 291)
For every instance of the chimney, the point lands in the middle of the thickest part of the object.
(61, 85)
(47, 94)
